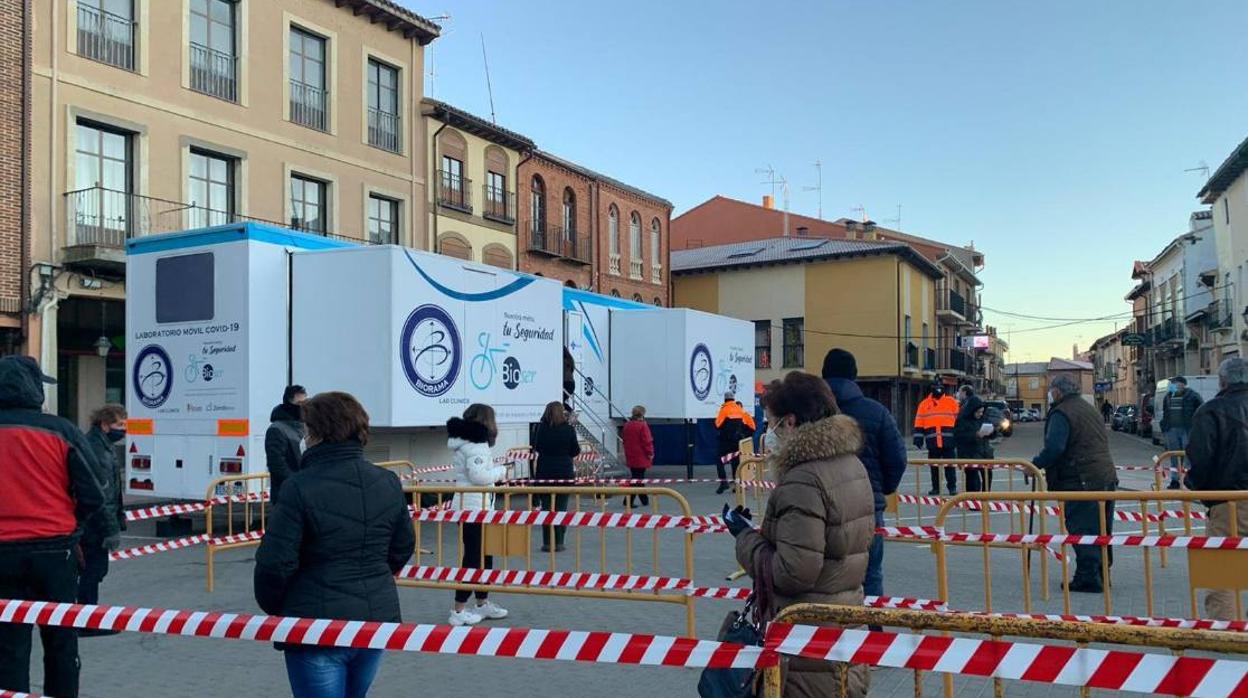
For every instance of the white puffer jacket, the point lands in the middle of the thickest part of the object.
(472, 464)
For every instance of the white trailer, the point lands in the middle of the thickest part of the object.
(206, 351)
(220, 320)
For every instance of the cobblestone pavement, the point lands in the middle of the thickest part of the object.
(131, 664)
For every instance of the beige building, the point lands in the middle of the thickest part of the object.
(472, 211)
(159, 115)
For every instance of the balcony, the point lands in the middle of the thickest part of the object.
(656, 273)
(1218, 316)
(1168, 331)
(454, 191)
(384, 129)
(99, 221)
(950, 305)
(499, 206)
(929, 359)
(214, 73)
(634, 269)
(912, 355)
(309, 105)
(558, 242)
(953, 361)
(105, 37)
(614, 264)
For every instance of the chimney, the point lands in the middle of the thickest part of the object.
(768, 202)
(802, 231)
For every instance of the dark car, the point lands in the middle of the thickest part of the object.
(998, 412)
(1122, 418)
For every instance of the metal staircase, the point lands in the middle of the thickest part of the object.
(589, 426)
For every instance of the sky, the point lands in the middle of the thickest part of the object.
(1054, 136)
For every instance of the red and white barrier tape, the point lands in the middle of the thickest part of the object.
(1200, 542)
(192, 507)
(699, 524)
(1237, 626)
(528, 643)
(621, 481)
(1068, 666)
(1009, 507)
(616, 582)
(163, 546)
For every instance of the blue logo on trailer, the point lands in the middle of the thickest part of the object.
(152, 376)
(700, 371)
(430, 350)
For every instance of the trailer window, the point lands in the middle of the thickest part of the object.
(184, 288)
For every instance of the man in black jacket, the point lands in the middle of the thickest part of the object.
(50, 495)
(283, 442)
(1218, 457)
(1177, 411)
(108, 427)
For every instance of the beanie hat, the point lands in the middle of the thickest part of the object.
(839, 363)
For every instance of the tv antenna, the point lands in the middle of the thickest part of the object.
(1202, 167)
(895, 221)
(432, 74)
(771, 178)
(818, 186)
(861, 211)
(488, 88)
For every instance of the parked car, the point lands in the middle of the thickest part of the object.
(998, 412)
(1033, 415)
(1122, 417)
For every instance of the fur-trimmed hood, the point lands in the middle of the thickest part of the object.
(470, 432)
(835, 436)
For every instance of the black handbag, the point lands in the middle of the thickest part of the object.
(738, 627)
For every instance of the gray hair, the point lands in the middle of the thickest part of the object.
(1064, 384)
(1233, 370)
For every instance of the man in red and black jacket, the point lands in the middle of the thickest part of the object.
(50, 495)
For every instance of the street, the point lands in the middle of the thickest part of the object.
(130, 664)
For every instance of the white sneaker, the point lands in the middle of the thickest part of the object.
(464, 617)
(490, 610)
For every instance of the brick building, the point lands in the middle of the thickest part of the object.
(593, 232)
(14, 172)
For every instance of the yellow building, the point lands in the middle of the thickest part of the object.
(152, 116)
(472, 212)
(808, 295)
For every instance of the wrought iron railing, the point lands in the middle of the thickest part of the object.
(499, 204)
(454, 191)
(912, 355)
(214, 73)
(929, 359)
(105, 37)
(543, 238)
(1219, 315)
(107, 217)
(384, 130)
(309, 105)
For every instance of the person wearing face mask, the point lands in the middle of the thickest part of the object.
(108, 428)
(814, 541)
(283, 442)
(933, 429)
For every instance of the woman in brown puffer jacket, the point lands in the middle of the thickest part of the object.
(819, 522)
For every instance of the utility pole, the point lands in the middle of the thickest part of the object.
(818, 186)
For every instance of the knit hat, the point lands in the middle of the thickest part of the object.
(839, 363)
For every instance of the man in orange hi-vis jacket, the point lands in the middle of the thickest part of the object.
(733, 423)
(933, 428)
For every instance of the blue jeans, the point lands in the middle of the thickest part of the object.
(873, 584)
(331, 672)
(1176, 440)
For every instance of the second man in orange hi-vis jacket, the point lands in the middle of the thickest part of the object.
(933, 429)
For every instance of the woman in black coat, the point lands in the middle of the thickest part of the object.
(556, 446)
(972, 445)
(333, 545)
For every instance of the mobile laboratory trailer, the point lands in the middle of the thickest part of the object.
(220, 320)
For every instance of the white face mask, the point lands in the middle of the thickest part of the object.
(1049, 395)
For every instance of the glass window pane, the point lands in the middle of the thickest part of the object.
(88, 139)
(222, 39)
(218, 168)
(312, 193)
(218, 198)
(221, 10)
(199, 30)
(86, 171)
(199, 6)
(199, 166)
(121, 8)
(114, 176)
(114, 145)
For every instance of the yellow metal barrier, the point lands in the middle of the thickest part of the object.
(1010, 474)
(505, 542)
(252, 491)
(1210, 569)
(1083, 634)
